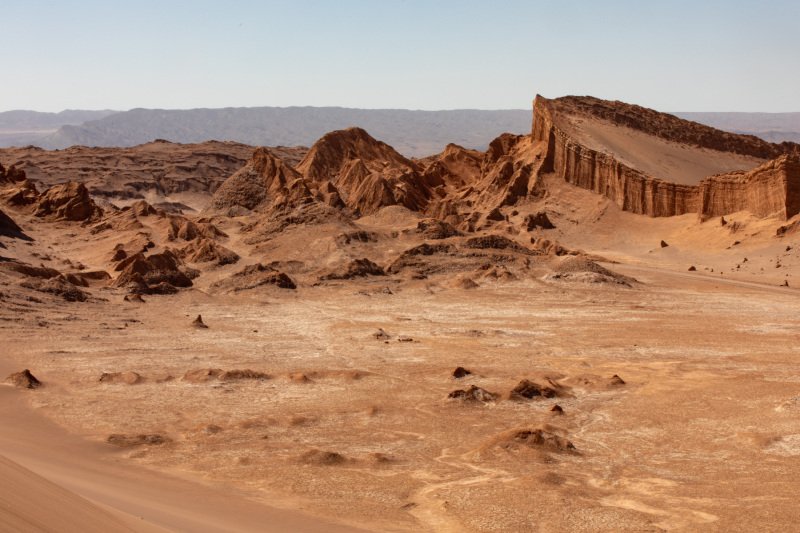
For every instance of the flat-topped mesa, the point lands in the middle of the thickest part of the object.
(669, 127)
(656, 164)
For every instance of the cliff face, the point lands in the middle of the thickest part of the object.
(770, 189)
(629, 188)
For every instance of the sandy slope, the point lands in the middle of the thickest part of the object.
(56, 481)
(30, 503)
(667, 160)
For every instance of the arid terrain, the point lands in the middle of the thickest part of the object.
(592, 327)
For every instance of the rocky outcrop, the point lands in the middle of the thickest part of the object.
(263, 182)
(67, 201)
(772, 189)
(366, 174)
(11, 174)
(154, 274)
(207, 251)
(469, 188)
(357, 268)
(253, 276)
(9, 228)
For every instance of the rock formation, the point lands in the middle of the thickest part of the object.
(68, 201)
(154, 274)
(11, 174)
(253, 276)
(366, 174)
(24, 380)
(771, 189)
(207, 251)
(9, 228)
(264, 181)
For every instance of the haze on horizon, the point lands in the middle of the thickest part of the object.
(409, 54)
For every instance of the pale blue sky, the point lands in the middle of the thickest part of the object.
(670, 55)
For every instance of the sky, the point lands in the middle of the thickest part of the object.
(672, 55)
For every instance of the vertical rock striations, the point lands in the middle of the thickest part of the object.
(772, 189)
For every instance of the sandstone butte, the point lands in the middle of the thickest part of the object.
(770, 188)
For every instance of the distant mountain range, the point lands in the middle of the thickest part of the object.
(413, 133)
(772, 127)
(29, 127)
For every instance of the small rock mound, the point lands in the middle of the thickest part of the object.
(664, 244)
(130, 441)
(358, 268)
(381, 335)
(496, 273)
(595, 382)
(204, 375)
(20, 194)
(11, 174)
(788, 229)
(473, 394)
(413, 257)
(539, 220)
(243, 374)
(582, 269)
(27, 270)
(58, 286)
(134, 297)
(24, 380)
(207, 251)
(9, 228)
(67, 201)
(496, 242)
(322, 458)
(548, 247)
(344, 239)
(616, 381)
(461, 372)
(124, 378)
(537, 438)
(299, 377)
(434, 229)
(253, 276)
(528, 390)
(198, 323)
(466, 283)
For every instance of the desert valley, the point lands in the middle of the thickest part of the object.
(588, 327)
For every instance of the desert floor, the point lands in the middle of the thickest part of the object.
(358, 431)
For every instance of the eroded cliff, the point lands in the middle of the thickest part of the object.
(771, 188)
